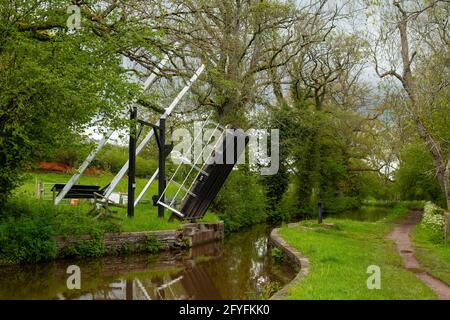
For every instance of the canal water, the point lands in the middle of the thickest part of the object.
(240, 267)
(364, 213)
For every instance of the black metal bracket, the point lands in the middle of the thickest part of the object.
(167, 149)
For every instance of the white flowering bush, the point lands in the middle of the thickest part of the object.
(433, 220)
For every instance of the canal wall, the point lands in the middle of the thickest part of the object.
(188, 235)
(294, 257)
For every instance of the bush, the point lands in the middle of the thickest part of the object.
(28, 227)
(78, 222)
(242, 201)
(152, 244)
(26, 234)
(113, 158)
(414, 179)
(433, 221)
(84, 248)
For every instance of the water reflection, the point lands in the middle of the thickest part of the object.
(364, 213)
(238, 268)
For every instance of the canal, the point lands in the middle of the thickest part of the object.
(364, 213)
(240, 267)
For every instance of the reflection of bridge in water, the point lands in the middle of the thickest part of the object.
(194, 283)
(191, 282)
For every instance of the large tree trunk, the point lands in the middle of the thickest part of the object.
(447, 182)
(441, 165)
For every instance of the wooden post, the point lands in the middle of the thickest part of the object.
(319, 213)
(132, 162)
(162, 165)
(129, 289)
(39, 190)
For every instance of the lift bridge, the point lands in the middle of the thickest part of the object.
(192, 187)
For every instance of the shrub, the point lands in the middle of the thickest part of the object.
(242, 201)
(84, 248)
(152, 244)
(78, 222)
(26, 234)
(113, 158)
(28, 227)
(413, 178)
(433, 221)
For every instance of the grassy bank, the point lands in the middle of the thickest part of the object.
(339, 258)
(145, 217)
(434, 258)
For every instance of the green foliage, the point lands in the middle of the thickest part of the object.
(277, 184)
(112, 158)
(321, 164)
(416, 179)
(434, 257)
(71, 151)
(84, 248)
(277, 254)
(375, 186)
(152, 244)
(78, 222)
(28, 227)
(433, 221)
(55, 82)
(242, 201)
(26, 234)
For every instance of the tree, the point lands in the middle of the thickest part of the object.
(239, 41)
(54, 82)
(422, 29)
(322, 108)
(415, 177)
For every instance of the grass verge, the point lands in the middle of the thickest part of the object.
(435, 258)
(340, 256)
(71, 218)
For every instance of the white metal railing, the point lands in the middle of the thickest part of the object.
(194, 166)
(146, 139)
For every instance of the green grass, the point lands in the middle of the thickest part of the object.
(435, 258)
(29, 185)
(145, 217)
(339, 258)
